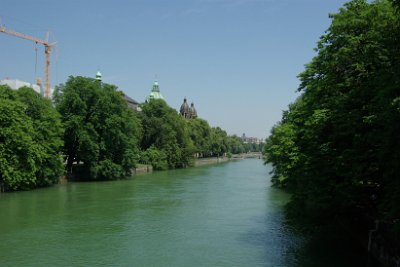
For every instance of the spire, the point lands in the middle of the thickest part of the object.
(98, 76)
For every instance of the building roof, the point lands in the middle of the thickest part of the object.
(184, 108)
(193, 111)
(130, 100)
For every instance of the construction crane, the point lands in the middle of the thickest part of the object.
(47, 50)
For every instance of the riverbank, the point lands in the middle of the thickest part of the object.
(215, 160)
(207, 161)
(143, 168)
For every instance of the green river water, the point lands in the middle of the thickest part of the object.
(216, 215)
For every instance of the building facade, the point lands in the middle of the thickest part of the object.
(16, 84)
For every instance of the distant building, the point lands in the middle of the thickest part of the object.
(251, 140)
(193, 111)
(132, 103)
(155, 92)
(16, 84)
(186, 111)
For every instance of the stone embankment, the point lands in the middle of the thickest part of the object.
(143, 168)
(250, 155)
(206, 161)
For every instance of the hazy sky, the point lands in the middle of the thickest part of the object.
(237, 60)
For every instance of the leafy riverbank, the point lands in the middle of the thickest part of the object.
(337, 147)
(90, 130)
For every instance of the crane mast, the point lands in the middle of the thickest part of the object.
(47, 51)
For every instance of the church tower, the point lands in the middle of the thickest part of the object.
(193, 112)
(155, 92)
(185, 110)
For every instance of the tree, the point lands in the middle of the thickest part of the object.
(281, 150)
(48, 133)
(219, 141)
(236, 145)
(396, 4)
(200, 134)
(155, 157)
(166, 131)
(101, 132)
(336, 147)
(30, 140)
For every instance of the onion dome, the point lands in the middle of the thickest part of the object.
(185, 110)
(193, 112)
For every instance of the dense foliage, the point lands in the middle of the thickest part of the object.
(337, 147)
(165, 139)
(30, 140)
(101, 132)
(101, 137)
(200, 134)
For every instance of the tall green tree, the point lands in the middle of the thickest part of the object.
(101, 132)
(48, 133)
(337, 146)
(30, 140)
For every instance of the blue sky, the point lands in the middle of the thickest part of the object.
(237, 60)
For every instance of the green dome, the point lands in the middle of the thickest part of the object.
(155, 92)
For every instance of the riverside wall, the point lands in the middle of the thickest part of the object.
(207, 161)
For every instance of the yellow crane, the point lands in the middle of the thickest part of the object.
(47, 50)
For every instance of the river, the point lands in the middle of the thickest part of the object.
(217, 215)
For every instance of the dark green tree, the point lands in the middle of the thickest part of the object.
(101, 132)
(396, 4)
(336, 147)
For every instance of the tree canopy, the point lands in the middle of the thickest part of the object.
(200, 134)
(165, 136)
(337, 147)
(30, 140)
(101, 133)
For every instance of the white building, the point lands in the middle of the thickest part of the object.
(16, 84)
